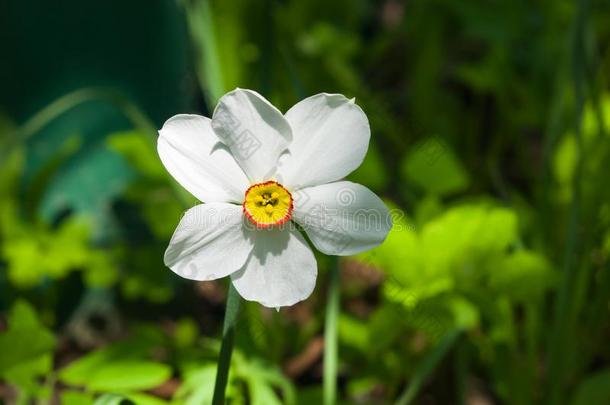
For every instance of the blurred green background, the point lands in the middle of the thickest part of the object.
(490, 139)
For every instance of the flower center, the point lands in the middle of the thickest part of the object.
(268, 204)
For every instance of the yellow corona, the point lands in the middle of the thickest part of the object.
(268, 204)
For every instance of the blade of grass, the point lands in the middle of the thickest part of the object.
(565, 316)
(427, 366)
(297, 86)
(330, 336)
(203, 34)
(68, 101)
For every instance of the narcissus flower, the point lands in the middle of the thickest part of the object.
(259, 172)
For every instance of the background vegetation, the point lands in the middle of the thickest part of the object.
(490, 123)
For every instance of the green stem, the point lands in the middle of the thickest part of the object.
(565, 312)
(226, 347)
(330, 337)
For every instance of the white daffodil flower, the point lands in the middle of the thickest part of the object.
(259, 172)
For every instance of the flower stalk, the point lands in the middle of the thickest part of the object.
(330, 336)
(226, 347)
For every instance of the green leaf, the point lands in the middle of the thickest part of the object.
(383, 329)
(564, 162)
(401, 246)
(433, 166)
(591, 124)
(594, 390)
(113, 399)
(101, 270)
(25, 341)
(465, 314)
(123, 375)
(128, 375)
(137, 149)
(523, 275)
(353, 332)
(23, 315)
(11, 164)
(186, 332)
(263, 394)
(86, 184)
(79, 371)
(262, 380)
(76, 398)
(198, 386)
(24, 374)
(144, 399)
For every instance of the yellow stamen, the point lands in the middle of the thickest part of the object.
(268, 204)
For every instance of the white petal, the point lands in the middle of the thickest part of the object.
(342, 218)
(211, 241)
(256, 132)
(330, 138)
(194, 155)
(281, 270)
